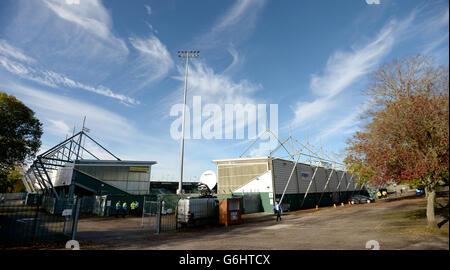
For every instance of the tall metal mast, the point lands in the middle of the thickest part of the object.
(187, 55)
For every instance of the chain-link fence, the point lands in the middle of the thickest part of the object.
(28, 221)
(12, 196)
(157, 218)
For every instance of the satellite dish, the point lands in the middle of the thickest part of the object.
(209, 179)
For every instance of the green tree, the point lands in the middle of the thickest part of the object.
(407, 134)
(12, 181)
(364, 173)
(20, 133)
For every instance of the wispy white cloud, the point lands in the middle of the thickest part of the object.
(148, 9)
(435, 44)
(58, 127)
(30, 70)
(150, 26)
(233, 26)
(220, 87)
(372, 2)
(117, 133)
(345, 68)
(90, 15)
(69, 110)
(76, 39)
(308, 111)
(154, 61)
(237, 61)
(9, 51)
(220, 91)
(55, 79)
(240, 11)
(216, 87)
(346, 125)
(431, 28)
(13, 67)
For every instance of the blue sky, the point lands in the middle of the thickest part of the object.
(115, 62)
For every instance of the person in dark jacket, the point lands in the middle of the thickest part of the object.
(277, 210)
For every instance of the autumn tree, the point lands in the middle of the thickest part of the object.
(20, 133)
(406, 137)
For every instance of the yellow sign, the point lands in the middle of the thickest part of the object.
(139, 169)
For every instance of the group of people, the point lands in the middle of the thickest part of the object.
(122, 208)
(382, 194)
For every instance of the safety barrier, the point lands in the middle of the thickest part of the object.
(23, 224)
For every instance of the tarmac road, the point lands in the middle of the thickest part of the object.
(394, 225)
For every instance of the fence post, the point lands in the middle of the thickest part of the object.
(36, 216)
(64, 226)
(158, 218)
(75, 218)
(143, 213)
(176, 215)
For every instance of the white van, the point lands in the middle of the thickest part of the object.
(198, 211)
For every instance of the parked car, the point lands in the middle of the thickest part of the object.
(420, 191)
(356, 199)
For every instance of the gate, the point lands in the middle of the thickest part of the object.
(25, 222)
(251, 203)
(158, 219)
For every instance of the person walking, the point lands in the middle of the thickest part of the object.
(278, 210)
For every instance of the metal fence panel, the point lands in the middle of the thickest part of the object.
(12, 196)
(156, 219)
(87, 204)
(251, 203)
(27, 223)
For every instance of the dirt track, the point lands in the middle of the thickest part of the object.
(394, 225)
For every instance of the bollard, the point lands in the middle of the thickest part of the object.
(317, 207)
(342, 204)
(349, 203)
(334, 205)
